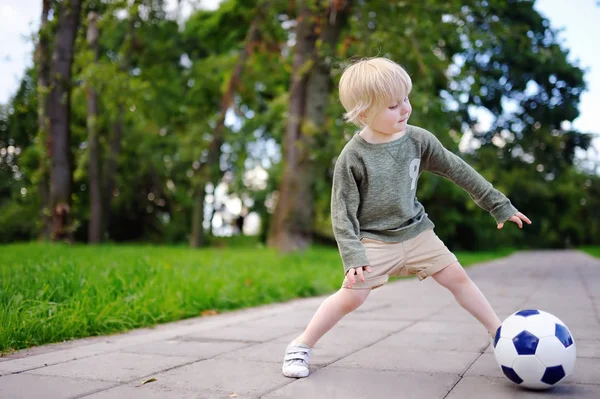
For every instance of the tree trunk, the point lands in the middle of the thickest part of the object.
(198, 237)
(292, 224)
(42, 62)
(59, 114)
(210, 171)
(95, 233)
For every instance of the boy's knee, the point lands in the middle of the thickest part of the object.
(453, 277)
(354, 298)
(462, 277)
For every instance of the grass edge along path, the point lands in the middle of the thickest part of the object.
(55, 292)
(591, 250)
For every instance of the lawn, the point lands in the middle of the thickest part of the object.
(594, 251)
(54, 292)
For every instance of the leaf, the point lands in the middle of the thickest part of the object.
(210, 312)
(147, 381)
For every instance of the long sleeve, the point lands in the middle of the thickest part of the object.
(345, 201)
(439, 160)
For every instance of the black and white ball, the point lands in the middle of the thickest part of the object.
(535, 349)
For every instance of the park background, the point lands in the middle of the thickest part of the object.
(162, 160)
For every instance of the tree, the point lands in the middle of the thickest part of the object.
(472, 56)
(317, 32)
(19, 204)
(162, 93)
(42, 62)
(58, 106)
(95, 229)
(210, 171)
(513, 66)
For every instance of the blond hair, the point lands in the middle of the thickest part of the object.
(369, 85)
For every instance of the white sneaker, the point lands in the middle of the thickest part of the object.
(295, 361)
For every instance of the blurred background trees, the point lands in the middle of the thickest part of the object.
(159, 127)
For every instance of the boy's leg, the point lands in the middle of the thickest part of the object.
(468, 295)
(298, 352)
(331, 312)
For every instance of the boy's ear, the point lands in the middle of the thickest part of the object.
(363, 120)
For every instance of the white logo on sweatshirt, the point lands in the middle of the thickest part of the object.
(413, 171)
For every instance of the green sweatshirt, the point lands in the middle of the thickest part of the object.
(375, 185)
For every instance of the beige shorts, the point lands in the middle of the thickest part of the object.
(423, 255)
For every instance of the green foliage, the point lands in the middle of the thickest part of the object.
(18, 129)
(19, 221)
(50, 293)
(204, 34)
(168, 80)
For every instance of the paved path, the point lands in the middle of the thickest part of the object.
(409, 340)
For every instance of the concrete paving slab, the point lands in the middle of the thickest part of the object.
(26, 386)
(150, 391)
(506, 302)
(342, 383)
(471, 387)
(298, 319)
(153, 391)
(582, 332)
(197, 350)
(588, 348)
(60, 346)
(355, 329)
(372, 327)
(393, 312)
(119, 367)
(343, 340)
(448, 327)
(255, 331)
(272, 352)
(485, 366)
(43, 356)
(580, 319)
(433, 341)
(559, 309)
(55, 357)
(586, 369)
(383, 357)
(224, 376)
(454, 314)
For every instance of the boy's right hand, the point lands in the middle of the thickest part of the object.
(350, 279)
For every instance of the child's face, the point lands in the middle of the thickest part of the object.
(392, 119)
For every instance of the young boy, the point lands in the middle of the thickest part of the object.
(381, 228)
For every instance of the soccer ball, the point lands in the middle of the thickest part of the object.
(534, 349)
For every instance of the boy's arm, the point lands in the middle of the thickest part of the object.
(345, 200)
(437, 159)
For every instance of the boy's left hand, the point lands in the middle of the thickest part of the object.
(518, 218)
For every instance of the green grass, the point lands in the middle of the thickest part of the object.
(54, 292)
(594, 251)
